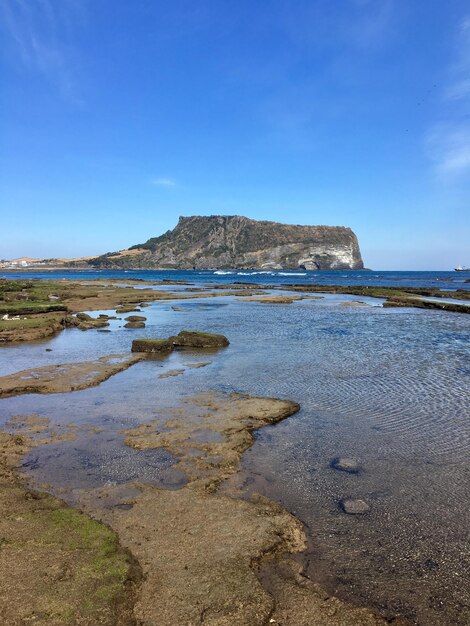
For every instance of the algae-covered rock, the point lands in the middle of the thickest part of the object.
(134, 325)
(83, 321)
(151, 345)
(184, 339)
(135, 318)
(58, 566)
(195, 339)
(83, 317)
(127, 309)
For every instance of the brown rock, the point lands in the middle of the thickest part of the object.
(195, 339)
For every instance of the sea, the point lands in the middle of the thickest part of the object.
(387, 387)
(442, 280)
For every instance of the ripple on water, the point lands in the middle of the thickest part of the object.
(387, 387)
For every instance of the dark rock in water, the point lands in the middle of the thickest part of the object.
(48, 349)
(135, 318)
(151, 345)
(354, 506)
(83, 321)
(184, 339)
(83, 317)
(134, 325)
(345, 464)
(194, 339)
(103, 330)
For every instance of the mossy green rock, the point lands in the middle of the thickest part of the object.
(58, 566)
(151, 345)
(195, 339)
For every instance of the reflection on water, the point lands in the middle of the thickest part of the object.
(388, 388)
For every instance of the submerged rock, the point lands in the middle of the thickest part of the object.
(195, 339)
(171, 373)
(134, 325)
(345, 464)
(354, 506)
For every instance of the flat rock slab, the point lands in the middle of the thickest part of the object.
(197, 365)
(171, 373)
(57, 565)
(184, 339)
(65, 377)
(272, 299)
(200, 550)
(353, 303)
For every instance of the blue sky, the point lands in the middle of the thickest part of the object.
(117, 116)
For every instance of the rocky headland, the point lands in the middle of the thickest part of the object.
(233, 241)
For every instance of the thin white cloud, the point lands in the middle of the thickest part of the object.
(40, 38)
(448, 142)
(459, 87)
(449, 148)
(164, 182)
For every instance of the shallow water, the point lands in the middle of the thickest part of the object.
(387, 387)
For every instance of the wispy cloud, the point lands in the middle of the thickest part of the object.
(449, 148)
(164, 182)
(448, 142)
(459, 86)
(40, 35)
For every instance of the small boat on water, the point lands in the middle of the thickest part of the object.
(459, 268)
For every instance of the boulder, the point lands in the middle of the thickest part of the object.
(151, 345)
(134, 325)
(135, 318)
(83, 317)
(195, 339)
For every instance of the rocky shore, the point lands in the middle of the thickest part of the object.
(194, 555)
(189, 556)
(169, 557)
(32, 310)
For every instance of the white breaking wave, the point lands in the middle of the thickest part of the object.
(292, 274)
(265, 272)
(254, 273)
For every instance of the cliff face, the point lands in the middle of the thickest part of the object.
(235, 242)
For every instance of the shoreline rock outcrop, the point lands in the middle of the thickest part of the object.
(237, 242)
